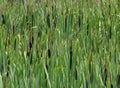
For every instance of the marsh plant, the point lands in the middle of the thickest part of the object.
(59, 44)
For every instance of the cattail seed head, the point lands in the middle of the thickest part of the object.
(3, 19)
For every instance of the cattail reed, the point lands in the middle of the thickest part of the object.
(15, 44)
(31, 38)
(79, 21)
(110, 33)
(110, 55)
(31, 35)
(109, 7)
(46, 66)
(39, 33)
(111, 85)
(27, 20)
(30, 48)
(47, 61)
(110, 17)
(87, 27)
(49, 53)
(48, 20)
(32, 20)
(15, 38)
(41, 52)
(105, 76)
(54, 17)
(118, 81)
(3, 19)
(8, 65)
(71, 56)
(48, 57)
(13, 28)
(75, 73)
(115, 54)
(55, 21)
(38, 36)
(65, 23)
(31, 41)
(86, 83)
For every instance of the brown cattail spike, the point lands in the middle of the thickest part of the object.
(110, 32)
(87, 27)
(47, 59)
(48, 20)
(115, 54)
(3, 19)
(76, 74)
(105, 76)
(27, 20)
(79, 21)
(111, 85)
(31, 45)
(118, 81)
(32, 20)
(66, 18)
(8, 68)
(71, 55)
(49, 53)
(86, 84)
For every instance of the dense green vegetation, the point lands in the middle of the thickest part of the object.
(60, 44)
